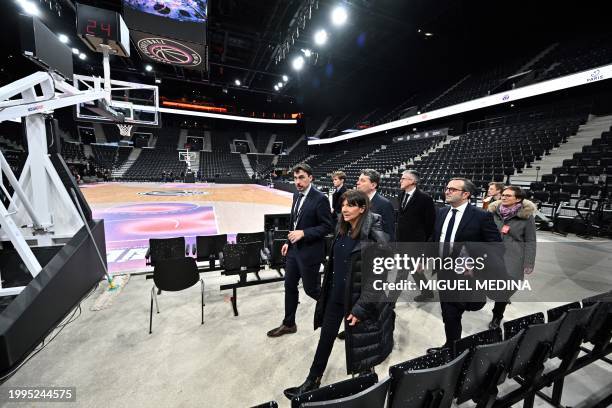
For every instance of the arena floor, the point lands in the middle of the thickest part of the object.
(135, 212)
(112, 360)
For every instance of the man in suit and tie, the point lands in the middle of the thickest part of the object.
(415, 221)
(338, 179)
(460, 223)
(368, 183)
(310, 222)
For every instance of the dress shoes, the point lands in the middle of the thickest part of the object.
(281, 330)
(434, 350)
(424, 296)
(309, 385)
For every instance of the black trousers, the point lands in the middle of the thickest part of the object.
(452, 312)
(418, 278)
(499, 309)
(332, 319)
(311, 279)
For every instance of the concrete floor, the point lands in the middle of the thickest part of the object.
(229, 362)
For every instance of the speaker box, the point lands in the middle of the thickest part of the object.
(50, 296)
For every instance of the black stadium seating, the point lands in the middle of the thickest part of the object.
(479, 363)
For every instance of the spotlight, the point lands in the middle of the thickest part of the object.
(280, 84)
(285, 78)
(298, 63)
(29, 7)
(63, 38)
(276, 88)
(307, 52)
(158, 80)
(82, 56)
(149, 68)
(320, 37)
(237, 82)
(76, 51)
(428, 34)
(339, 16)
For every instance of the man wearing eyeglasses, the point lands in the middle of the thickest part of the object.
(460, 223)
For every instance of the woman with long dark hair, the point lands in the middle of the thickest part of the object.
(368, 324)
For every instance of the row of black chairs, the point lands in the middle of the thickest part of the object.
(477, 365)
(175, 262)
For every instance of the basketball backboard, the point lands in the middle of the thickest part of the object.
(138, 103)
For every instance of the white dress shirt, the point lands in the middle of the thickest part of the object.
(458, 216)
(297, 212)
(410, 193)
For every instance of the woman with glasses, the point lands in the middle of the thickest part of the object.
(514, 216)
(369, 326)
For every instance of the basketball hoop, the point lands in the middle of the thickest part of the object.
(187, 157)
(125, 130)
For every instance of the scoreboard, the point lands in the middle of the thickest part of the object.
(97, 27)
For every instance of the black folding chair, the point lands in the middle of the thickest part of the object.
(165, 248)
(373, 397)
(210, 247)
(174, 275)
(485, 368)
(533, 350)
(599, 329)
(270, 404)
(337, 390)
(429, 387)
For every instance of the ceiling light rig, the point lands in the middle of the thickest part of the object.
(320, 37)
(298, 24)
(339, 16)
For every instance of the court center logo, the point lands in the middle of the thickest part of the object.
(169, 52)
(173, 193)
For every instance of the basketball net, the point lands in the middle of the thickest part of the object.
(125, 130)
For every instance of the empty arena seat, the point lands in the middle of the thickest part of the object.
(372, 397)
(209, 247)
(173, 275)
(341, 389)
(430, 384)
(486, 367)
(165, 248)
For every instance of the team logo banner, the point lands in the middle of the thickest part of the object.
(171, 52)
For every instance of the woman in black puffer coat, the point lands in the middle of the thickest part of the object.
(368, 324)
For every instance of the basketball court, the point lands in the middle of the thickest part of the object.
(135, 212)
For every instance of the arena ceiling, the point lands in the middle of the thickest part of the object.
(382, 53)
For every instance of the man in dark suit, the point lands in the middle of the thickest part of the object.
(460, 223)
(368, 183)
(415, 222)
(310, 222)
(338, 179)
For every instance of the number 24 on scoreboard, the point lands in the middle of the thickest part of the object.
(92, 28)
